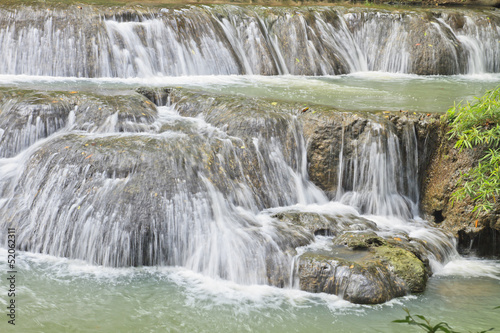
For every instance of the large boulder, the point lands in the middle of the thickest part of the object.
(358, 265)
(369, 282)
(363, 268)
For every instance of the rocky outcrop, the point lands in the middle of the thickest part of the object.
(475, 233)
(332, 136)
(358, 265)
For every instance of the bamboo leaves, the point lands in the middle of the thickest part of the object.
(477, 126)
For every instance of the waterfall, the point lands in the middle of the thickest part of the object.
(199, 180)
(380, 176)
(194, 183)
(175, 190)
(223, 40)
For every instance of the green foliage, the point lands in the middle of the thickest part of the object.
(426, 325)
(477, 126)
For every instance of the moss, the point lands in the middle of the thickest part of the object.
(403, 262)
(361, 240)
(405, 265)
(366, 280)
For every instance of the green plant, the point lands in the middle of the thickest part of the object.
(426, 325)
(477, 126)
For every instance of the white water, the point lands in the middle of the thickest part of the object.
(223, 40)
(200, 218)
(217, 231)
(158, 298)
(57, 295)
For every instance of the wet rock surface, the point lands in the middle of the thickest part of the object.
(363, 267)
(27, 116)
(334, 140)
(367, 283)
(479, 234)
(358, 265)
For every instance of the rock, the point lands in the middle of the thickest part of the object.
(332, 136)
(159, 96)
(405, 265)
(396, 254)
(476, 233)
(114, 111)
(367, 281)
(360, 266)
(325, 131)
(28, 116)
(325, 224)
(360, 240)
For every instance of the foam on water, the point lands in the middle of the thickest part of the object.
(200, 290)
(470, 268)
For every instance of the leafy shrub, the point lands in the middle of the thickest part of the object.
(477, 126)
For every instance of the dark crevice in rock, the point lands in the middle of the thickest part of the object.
(324, 232)
(484, 242)
(438, 216)
(159, 96)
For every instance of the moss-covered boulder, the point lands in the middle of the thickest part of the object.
(397, 252)
(405, 265)
(365, 281)
(363, 267)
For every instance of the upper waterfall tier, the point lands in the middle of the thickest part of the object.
(221, 40)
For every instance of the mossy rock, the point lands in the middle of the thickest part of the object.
(405, 265)
(366, 281)
(325, 224)
(360, 240)
(405, 259)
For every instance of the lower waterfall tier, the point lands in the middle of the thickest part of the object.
(236, 188)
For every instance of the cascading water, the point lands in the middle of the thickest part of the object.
(195, 184)
(183, 204)
(225, 40)
(381, 175)
(178, 192)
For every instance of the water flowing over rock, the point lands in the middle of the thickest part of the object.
(28, 116)
(224, 39)
(219, 185)
(378, 164)
(166, 195)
